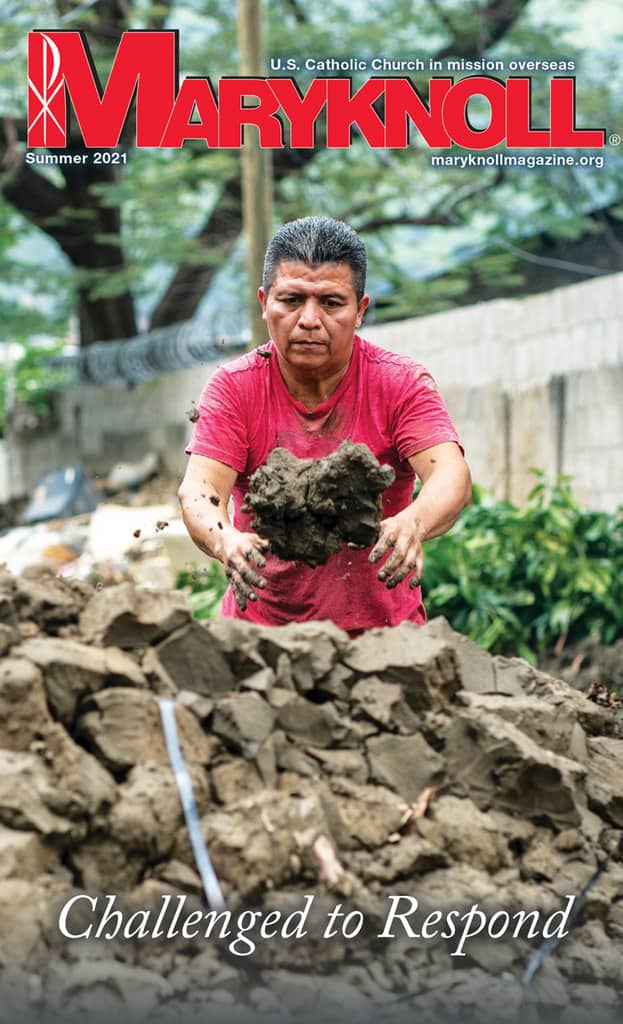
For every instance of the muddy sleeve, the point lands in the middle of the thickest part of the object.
(221, 431)
(420, 417)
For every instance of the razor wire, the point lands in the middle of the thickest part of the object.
(164, 350)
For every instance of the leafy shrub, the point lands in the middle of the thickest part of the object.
(204, 590)
(34, 380)
(520, 580)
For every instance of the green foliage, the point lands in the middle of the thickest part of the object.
(204, 589)
(517, 580)
(33, 381)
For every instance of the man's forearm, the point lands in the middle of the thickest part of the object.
(204, 496)
(440, 501)
(205, 520)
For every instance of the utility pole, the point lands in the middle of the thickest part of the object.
(256, 167)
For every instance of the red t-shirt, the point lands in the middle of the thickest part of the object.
(388, 402)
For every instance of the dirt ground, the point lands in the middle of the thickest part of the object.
(406, 762)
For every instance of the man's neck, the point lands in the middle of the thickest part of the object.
(311, 392)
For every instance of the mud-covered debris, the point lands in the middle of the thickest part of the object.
(129, 617)
(243, 720)
(193, 659)
(600, 694)
(496, 761)
(23, 709)
(604, 785)
(123, 727)
(404, 761)
(192, 413)
(72, 669)
(308, 508)
(147, 815)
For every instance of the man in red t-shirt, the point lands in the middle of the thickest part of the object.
(315, 383)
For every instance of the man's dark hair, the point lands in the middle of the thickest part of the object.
(314, 241)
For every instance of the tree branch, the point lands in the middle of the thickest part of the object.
(30, 192)
(110, 20)
(220, 232)
(191, 281)
(433, 219)
(156, 22)
(493, 21)
(463, 196)
(297, 11)
(443, 17)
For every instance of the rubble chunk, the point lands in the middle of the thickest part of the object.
(316, 725)
(9, 635)
(28, 798)
(24, 711)
(499, 765)
(235, 780)
(406, 764)
(127, 617)
(245, 720)
(550, 726)
(49, 600)
(384, 703)
(72, 670)
(369, 814)
(23, 855)
(604, 784)
(194, 661)
(123, 727)
(475, 667)
(425, 666)
(148, 813)
(470, 836)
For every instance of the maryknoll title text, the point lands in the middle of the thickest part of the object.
(144, 71)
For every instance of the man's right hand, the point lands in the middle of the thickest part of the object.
(241, 555)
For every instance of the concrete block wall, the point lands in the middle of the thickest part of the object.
(117, 423)
(593, 442)
(529, 382)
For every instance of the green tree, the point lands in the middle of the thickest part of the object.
(152, 235)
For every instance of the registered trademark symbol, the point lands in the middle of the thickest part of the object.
(614, 140)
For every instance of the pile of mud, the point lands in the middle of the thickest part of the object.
(589, 666)
(309, 508)
(405, 762)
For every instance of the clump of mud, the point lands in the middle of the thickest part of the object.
(308, 508)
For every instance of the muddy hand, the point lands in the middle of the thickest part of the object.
(402, 535)
(241, 555)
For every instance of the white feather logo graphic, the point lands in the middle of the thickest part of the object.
(52, 82)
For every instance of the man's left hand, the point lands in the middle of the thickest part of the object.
(403, 533)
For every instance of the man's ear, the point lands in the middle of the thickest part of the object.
(362, 305)
(262, 297)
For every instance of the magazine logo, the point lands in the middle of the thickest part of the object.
(145, 72)
(46, 101)
(60, 67)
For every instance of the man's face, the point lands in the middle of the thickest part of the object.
(312, 314)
